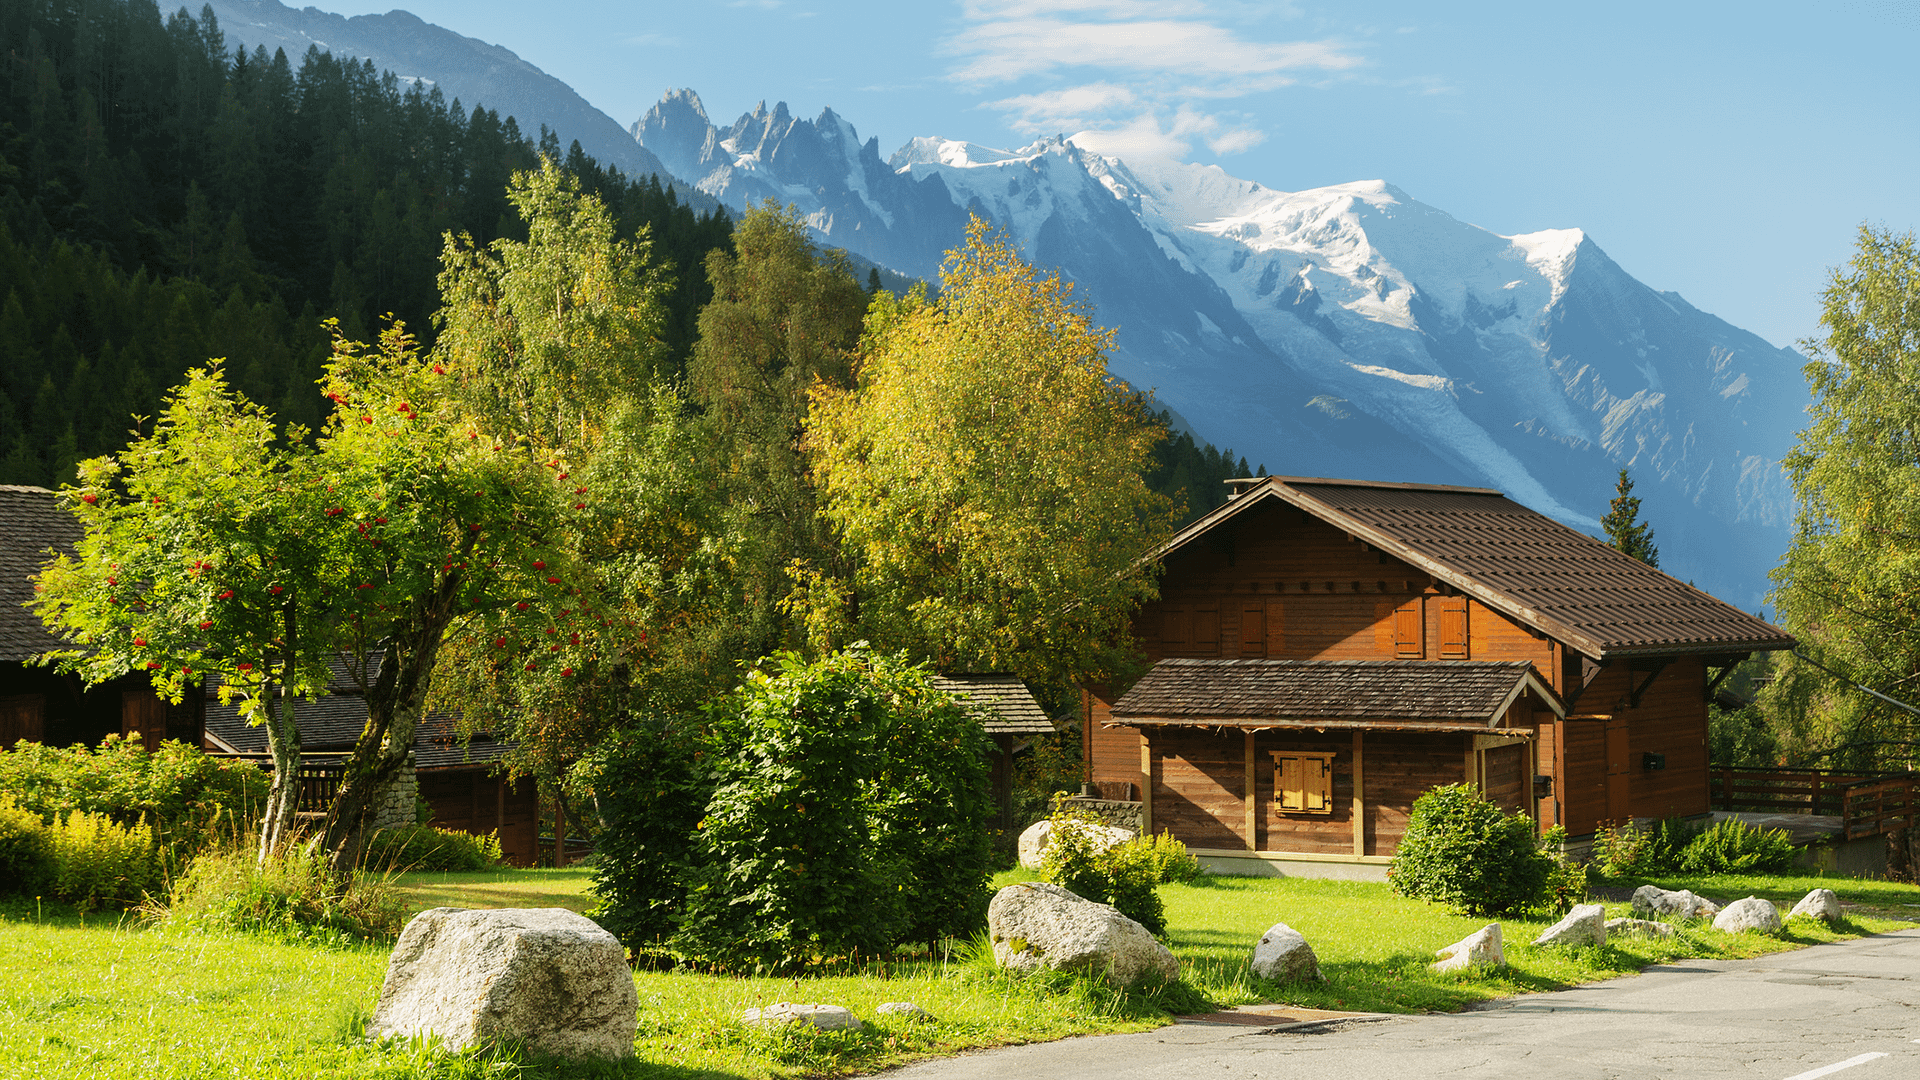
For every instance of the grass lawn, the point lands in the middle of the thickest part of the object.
(104, 1000)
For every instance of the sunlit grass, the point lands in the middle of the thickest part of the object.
(498, 888)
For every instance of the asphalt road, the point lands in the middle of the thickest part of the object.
(1849, 1010)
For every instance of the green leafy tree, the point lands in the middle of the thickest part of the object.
(1625, 531)
(1849, 585)
(218, 547)
(986, 477)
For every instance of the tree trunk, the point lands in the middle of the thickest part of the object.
(283, 742)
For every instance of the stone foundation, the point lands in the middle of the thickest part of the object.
(394, 809)
(1125, 815)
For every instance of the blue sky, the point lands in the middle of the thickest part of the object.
(1724, 151)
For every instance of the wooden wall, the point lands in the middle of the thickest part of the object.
(469, 800)
(1598, 752)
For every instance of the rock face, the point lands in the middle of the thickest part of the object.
(1478, 949)
(1821, 904)
(782, 1013)
(546, 976)
(1034, 841)
(1282, 954)
(1639, 928)
(1752, 914)
(1035, 925)
(1654, 902)
(1586, 924)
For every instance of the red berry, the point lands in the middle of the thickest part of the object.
(539, 566)
(529, 667)
(207, 625)
(579, 491)
(566, 673)
(553, 581)
(403, 407)
(439, 369)
(246, 667)
(366, 419)
(475, 528)
(499, 643)
(139, 643)
(278, 589)
(152, 666)
(89, 498)
(553, 648)
(366, 584)
(550, 631)
(228, 595)
(379, 521)
(521, 606)
(579, 506)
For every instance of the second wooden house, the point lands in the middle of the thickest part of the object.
(1326, 650)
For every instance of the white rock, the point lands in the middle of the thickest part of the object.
(1586, 924)
(782, 1013)
(1036, 924)
(1034, 841)
(545, 976)
(1639, 928)
(1478, 949)
(1282, 953)
(1654, 902)
(1752, 914)
(906, 1010)
(1820, 904)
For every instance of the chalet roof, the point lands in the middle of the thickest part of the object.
(1004, 702)
(1522, 563)
(31, 523)
(332, 724)
(1442, 695)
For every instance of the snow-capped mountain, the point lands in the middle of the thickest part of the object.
(1345, 331)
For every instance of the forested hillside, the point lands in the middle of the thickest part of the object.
(163, 200)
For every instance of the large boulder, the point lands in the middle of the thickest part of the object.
(543, 976)
(1654, 902)
(1478, 949)
(1039, 925)
(1819, 904)
(1282, 953)
(1586, 924)
(825, 1017)
(1752, 914)
(1034, 841)
(1639, 928)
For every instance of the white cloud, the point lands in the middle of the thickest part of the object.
(1143, 136)
(1015, 48)
(1057, 110)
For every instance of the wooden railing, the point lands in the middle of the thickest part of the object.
(318, 781)
(1868, 804)
(1879, 806)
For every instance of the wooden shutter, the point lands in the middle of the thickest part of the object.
(1253, 629)
(1303, 783)
(1206, 630)
(1317, 777)
(1410, 629)
(22, 717)
(1453, 628)
(1288, 785)
(1173, 628)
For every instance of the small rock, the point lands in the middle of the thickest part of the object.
(1820, 904)
(1654, 902)
(1478, 949)
(1036, 924)
(1751, 914)
(1034, 841)
(1282, 954)
(782, 1013)
(906, 1010)
(544, 976)
(1586, 924)
(1640, 928)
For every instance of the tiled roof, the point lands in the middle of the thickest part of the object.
(332, 724)
(1523, 563)
(31, 522)
(1416, 693)
(1005, 703)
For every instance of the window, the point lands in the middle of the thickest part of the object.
(1453, 628)
(1410, 630)
(1303, 783)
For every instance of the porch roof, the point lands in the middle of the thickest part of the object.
(1003, 702)
(1423, 695)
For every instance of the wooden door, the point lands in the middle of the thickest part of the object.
(1619, 771)
(1505, 780)
(22, 717)
(144, 715)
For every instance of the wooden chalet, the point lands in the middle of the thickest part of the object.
(1323, 651)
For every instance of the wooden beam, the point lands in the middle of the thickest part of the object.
(1473, 763)
(1359, 797)
(1146, 785)
(1653, 670)
(1590, 670)
(1253, 838)
(1713, 684)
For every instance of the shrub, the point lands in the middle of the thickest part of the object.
(1628, 850)
(1731, 846)
(1461, 850)
(1567, 881)
(1126, 875)
(96, 860)
(650, 783)
(26, 850)
(421, 847)
(290, 896)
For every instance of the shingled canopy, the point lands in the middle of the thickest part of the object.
(1003, 702)
(1603, 603)
(1391, 695)
(31, 523)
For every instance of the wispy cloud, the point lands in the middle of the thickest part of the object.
(1131, 72)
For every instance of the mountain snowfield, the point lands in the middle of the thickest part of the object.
(1346, 331)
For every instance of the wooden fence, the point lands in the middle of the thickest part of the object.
(1868, 804)
(1879, 806)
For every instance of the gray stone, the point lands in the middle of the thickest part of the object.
(1034, 841)
(1640, 928)
(1586, 924)
(1819, 904)
(906, 1010)
(544, 976)
(1654, 902)
(781, 1013)
(1478, 949)
(1282, 953)
(1039, 925)
(1752, 914)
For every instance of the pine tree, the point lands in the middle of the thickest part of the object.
(1625, 531)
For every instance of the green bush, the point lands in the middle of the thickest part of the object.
(1628, 850)
(1126, 875)
(421, 847)
(1461, 850)
(1731, 846)
(849, 815)
(649, 785)
(290, 897)
(1567, 881)
(97, 860)
(26, 850)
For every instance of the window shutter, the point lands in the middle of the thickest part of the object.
(1173, 627)
(1253, 629)
(1206, 630)
(1292, 790)
(1410, 630)
(1319, 784)
(1453, 628)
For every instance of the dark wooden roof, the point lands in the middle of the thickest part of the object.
(1004, 703)
(1524, 564)
(31, 523)
(1464, 695)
